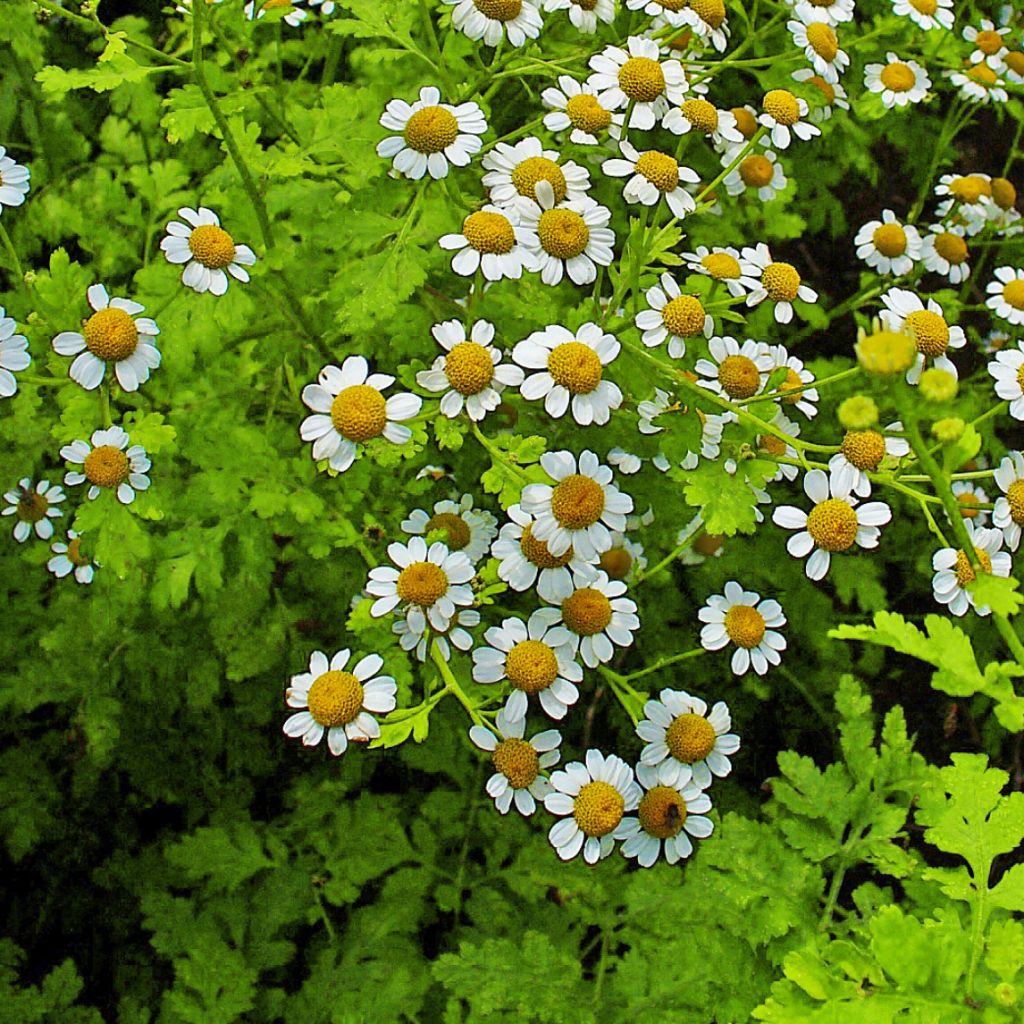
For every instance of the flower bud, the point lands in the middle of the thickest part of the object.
(938, 385)
(948, 430)
(858, 413)
(885, 352)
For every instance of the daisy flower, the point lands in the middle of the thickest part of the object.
(969, 496)
(592, 800)
(14, 355)
(953, 572)
(207, 250)
(116, 334)
(428, 585)
(887, 246)
(820, 44)
(536, 660)
(457, 635)
(779, 283)
(433, 134)
(466, 529)
(707, 19)
(945, 252)
(861, 453)
(989, 45)
(784, 116)
(489, 240)
(575, 105)
(580, 509)
(968, 190)
(741, 618)
(672, 315)
(68, 558)
(734, 370)
(653, 175)
(1014, 70)
(471, 372)
(684, 742)
(514, 170)
(295, 16)
(1002, 211)
(108, 464)
(33, 507)
(775, 448)
(584, 14)
(672, 12)
(927, 326)
(835, 12)
(724, 265)
(526, 560)
(1006, 294)
(568, 238)
(637, 76)
(835, 523)
(14, 181)
(518, 763)
(794, 387)
(667, 816)
(704, 118)
(898, 81)
(926, 14)
(624, 560)
(1008, 514)
(759, 171)
(492, 20)
(1008, 371)
(979, 83)
(827, 96)
(597, 616)
(339, 702)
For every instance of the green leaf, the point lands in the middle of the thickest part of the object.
(998, 593)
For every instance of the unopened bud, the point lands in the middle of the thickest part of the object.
(858, 412)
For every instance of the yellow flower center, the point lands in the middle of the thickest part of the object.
(890, 240)
(925, 6)
(708, 544)
(673, 5)
(739, 376)
(468, 367)
(793, 384)
(536, 551)
(771, 445)
(562, 233)
(517, 761)
(823, 40)
(701, 114)
(982, 74)
(746, 123)
(684, 316)
(898, 77)
(358, 412)
(106, 466)
(662, 812)
(969, 503)
(952, 248)
(989, 42)
(335, 698)
(526, 174)
(422, 583)
(598, 808)
(781, 281)
(616, 563)
(586, 611)
(690, 738)
(1015, 499)
(577, 502)
(431, 130)
(886, 352)
(756, 171)
(499, 10)
(929, 330)
(745, 625)
(585, 5)
(455, 528)
(864, 449)
(833, 525)
(212, 246)
(660, 169)
(965, 571)
(1013, 293)
(1014, 60)
(489, 232)
(721, 266)
(711, 12)
(31, 507)
(642, 79)
(110, 334)
(970, 188)
(575, 366)
(1004, 194)
(531, 666)
(74, 552)
(587, 114)
(825, 88)
(782, 105)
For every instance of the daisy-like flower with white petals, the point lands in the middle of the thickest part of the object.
(110, 462)
(776, 448)
(1002, 212)
(623, 560)
(862, 452)
(592, 799)
(707, 18)
(1014, 70)
(457, 635)
(339, 702)
(570, 369)
(725, 265)
(989, 44)
(899, 82)
(597, 616)
(1008, 371)
(969, 496)
(794, 387)
(33, 507)
(926, 14)
(526, 560)
(471, 372)
(672, 12)
(672, 315)
(927, 326)
(68, 558)
(653, 175)
(489, 240)
(580, 510)
(1006, 294)
(835, 12)
(967, 202)
(584, 14)
(820, 44)
(735, 370)
(780, 283)
(207, 250)
(428, 585)
(537, 660)
(834, 524)
(14, 181)
(115, 333)
(741, 618)
(828, 96)
(433, 134)
(575, 105)
(887, 246)
(784, 115)
(466, 529)
(684, 742)
(514, 170)
(945, 252)
(666, 818)
(953, 571)
(295, 16)
(760, 171)
(979, 84)
(704, 118)
(637, 76)
(14, 355)
(493, 20)
(1008, 514)
(349, 410)
(518, 763)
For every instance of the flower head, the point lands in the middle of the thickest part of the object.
(739, 617)
(466, 529)
(69, 558)
(818, 39)
(1006, 294)
(899, 82)
(780, 283)
(653, 175)
(703, 118)
(456, 635)
(637, 76)
(109, 463)
(1008, 514)
(954, 571)
(33, 507)
(207, 250)
(489, 240)
(493, 20)
(575, 106)
(734, 370)
(514, 171)
(14, 355)
(926, 14)
(924, 322)
(725, 265)
(887, 246)
(672, 315)
(1008, 371)
(862, 452)
(761, 172)
(945, 252)
(14, 181)
(784, 115)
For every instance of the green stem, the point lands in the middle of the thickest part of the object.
(13, 253)
(790, 392)
(665, 662)
(733, 164)
(670, 557)
(451, 684)
(497, 454)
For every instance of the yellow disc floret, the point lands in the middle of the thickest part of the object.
(489, 232)
(792, 388)
(690, 738)
(711, 12)
(577, 502)
(335, 698)
(74, 552)
(701, 114)
(721, 266)
(587, 114)
(662, 812)
(825, 88)
(929, 331)
(32, 506)
(531, 666)
(563, 233)
(422, 583)
(1014, 60)
(212, 246)
(660, 169)
(598, 808)
(537, 552)
(106, 466)
(575, 366)
(898, 77)
(781, 281)
(431, 130)
(517, 761)
(885, 352)
(586, 611)
(970, 188)
(110, 334)
(890, 240)
(864, 449)
(528, 172)
(951, 247)
(982, 74)
(684, 316)
(468, 367)
(746, 123)
(968, 502)
(965, 572)
(745, 625)
(989, 42)
(823, 40)
(499, 10)
(642, 79)
(1013, 293)
(832, 524)
(781, 105)
(1004, 195)
(457, 534)
(616, 563)
(756, 171)
(1015, 499)
(771, 445)
(359, 412)
(739, 376)
(927, 7)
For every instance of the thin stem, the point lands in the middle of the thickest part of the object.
(736, 161)
(13, 253)
(670, 557)
(665, 662)
(496, 453)
(451, 684)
